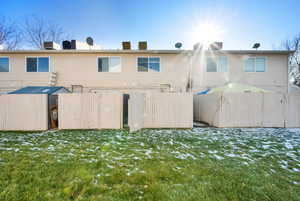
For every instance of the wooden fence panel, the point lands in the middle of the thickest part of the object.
(23, 112)
(168, 110)
(207, 108)
(136, 111)
(293, 110)
(243, 109)
(274, 110)
(90, 111)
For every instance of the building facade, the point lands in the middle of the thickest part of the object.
(158, 70)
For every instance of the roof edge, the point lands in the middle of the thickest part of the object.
(117, 51)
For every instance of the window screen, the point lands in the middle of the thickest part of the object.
(260, 65)
(255, 64)
(31, 64)
(4, 64)
(222, 66)
(211, 65)
(143, 64)
(250, 65)
(103, 64)
(109, 64)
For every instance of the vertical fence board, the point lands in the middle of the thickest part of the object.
(274, 112)
(293, 110)
(244, 109)
(241, 110)
(168, 110)
(90, 110)
(208, 108)
(23, 112)
(136, 111)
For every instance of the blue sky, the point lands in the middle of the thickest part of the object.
(165, 22)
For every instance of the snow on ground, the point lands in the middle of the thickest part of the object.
(247, 145)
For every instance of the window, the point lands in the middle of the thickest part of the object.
(216, 64)
(146, 64)
(255, 64)
(37, 64)
(109, 64)
(4, 64)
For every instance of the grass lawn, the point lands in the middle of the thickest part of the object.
(178, 165)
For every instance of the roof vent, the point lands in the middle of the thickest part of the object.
(216, 46)
(143, 45)
(50, 45)
(126, 45)
(66, 45)
(197, 46)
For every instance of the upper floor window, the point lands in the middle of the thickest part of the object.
(37, 64)
(255, 64)
(109, 64)
(4, 64)
(217, 64)
(146, 64)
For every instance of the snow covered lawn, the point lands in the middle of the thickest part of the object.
(198, 164)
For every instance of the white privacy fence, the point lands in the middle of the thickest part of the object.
(23, 112)
(160, 110)
(248, 109)
(90, 111)
(293, 110)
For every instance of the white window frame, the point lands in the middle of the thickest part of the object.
(137, 64)
(8, 63)
(49, 70)
(108, 63)
(255, 57)
(218, 63)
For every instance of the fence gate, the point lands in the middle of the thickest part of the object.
(136, 105)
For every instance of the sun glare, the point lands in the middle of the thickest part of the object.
(207, 33)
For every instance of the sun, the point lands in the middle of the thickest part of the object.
(207, 33)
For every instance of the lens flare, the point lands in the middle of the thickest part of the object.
(207, 33)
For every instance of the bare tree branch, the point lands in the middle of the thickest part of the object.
(10, 34)
(38, 30)
(294, 59)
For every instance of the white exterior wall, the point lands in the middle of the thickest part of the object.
(274, 79)
(82, 69)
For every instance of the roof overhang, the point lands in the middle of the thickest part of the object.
(143, 51)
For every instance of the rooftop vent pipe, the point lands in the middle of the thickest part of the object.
(50, 45)
(143, 45)
(126, 45)
(66, 45)
(216, 46)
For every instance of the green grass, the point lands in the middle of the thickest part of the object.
(178, 165)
